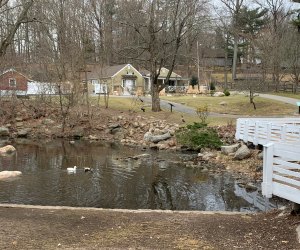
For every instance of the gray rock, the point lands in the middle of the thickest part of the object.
(226, 150)
(158, 138)
(48, 121)
(19, 119)
(242, 153)
(250, 187)
(116, 130)
(78, 133)
(93, 137)
(4, 131)
(115, 125)
(23, 132)
(218, 94)
(142, 156)
(19, 124)
(260, 155)
(208, 156)
(7, 150)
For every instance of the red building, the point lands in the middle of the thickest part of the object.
(13, 81)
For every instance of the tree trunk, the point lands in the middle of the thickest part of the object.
(235, 52)
(155, 98)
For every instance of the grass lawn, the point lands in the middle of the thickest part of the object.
(238, 104)
(131, 105)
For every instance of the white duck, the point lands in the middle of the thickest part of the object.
(72, 170)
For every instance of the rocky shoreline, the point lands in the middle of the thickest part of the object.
(134, 130)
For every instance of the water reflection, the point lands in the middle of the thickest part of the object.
(117, 179)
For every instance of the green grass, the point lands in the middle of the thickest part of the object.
(238, 104)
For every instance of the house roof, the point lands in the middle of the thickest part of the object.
(107, 71)
(163, 73)
(13, 70)
(213, 53)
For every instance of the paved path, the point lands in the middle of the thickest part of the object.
(280, 98)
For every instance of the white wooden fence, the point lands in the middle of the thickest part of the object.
(281, 171)
(264, 130)
(281, 140)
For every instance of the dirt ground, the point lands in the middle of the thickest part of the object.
(77, 228)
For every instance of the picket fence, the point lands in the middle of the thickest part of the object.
(264, 130)
(280, 138)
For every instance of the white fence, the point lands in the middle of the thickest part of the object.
(281, 140)
(281, 171)
(264, 130)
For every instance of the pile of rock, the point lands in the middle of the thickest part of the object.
(142, 131)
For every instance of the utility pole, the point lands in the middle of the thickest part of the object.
(198, 62)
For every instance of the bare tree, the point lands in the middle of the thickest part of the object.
(8, 36)
(161, 27)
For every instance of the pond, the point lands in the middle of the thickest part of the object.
(158, 180)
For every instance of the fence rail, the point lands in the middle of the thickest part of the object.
(281, 171)
(264, 130)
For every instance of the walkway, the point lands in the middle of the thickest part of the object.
(280, 98)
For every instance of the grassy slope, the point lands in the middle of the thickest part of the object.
(238, 104)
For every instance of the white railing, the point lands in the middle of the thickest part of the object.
(176, 89)
(264, 130)
(281, 171)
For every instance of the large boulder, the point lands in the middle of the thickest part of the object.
(9, 174)
(218, 94)
(9, 149)
(242, 153)
(156, 138)
(226, 150)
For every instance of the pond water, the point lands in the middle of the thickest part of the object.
(159, 181)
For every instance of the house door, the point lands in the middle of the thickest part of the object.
(128, 85)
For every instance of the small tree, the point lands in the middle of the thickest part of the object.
(194, 81)
(202, 113)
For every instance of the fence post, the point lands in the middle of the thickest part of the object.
(283, 133)
(245, 137)
(238, 129)
(268, 170)
(255, 139)
(269, 132)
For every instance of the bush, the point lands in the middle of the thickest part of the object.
(226, 92)
(194, 81)
(212, 86)
(197, 136)
(202, 113)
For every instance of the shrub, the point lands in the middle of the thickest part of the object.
(202, 113)
(198, 136)
(212, 86)
(194, 81)
(226, 92)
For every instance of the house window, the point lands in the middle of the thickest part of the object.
(12, 82)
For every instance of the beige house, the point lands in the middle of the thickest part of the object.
(121, 79)
(176, 84)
